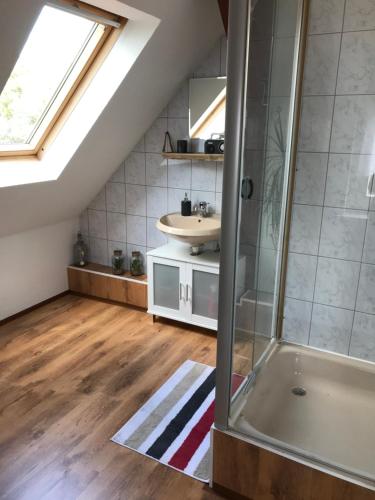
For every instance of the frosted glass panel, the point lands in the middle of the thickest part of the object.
(166, 286)
(205, 294)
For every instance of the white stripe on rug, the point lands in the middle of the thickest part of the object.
(152, 437)
(138, 418)
(187, 429)
(198, 456)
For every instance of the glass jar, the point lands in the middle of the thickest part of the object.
(136, 263)
(117, 262)
(81, 251)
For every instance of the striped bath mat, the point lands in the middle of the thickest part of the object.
(173, 427)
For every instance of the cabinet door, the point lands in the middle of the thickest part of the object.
(166, 290)
(203, 295)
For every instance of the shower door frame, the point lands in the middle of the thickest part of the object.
(238, 59)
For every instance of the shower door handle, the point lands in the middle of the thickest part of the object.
(247, 188)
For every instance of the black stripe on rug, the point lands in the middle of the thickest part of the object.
(176, 425)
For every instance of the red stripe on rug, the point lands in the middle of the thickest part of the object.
(183, 455)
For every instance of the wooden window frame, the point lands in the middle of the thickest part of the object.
(108, 39)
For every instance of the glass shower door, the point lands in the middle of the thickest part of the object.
(268, 102)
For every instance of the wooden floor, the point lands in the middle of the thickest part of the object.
(71, 373)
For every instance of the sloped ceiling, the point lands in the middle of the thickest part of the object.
(187, 31)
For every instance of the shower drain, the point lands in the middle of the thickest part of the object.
(298, 391)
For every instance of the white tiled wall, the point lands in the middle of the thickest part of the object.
(146, 186)
(331, 270)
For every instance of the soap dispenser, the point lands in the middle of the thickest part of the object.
(186, 206)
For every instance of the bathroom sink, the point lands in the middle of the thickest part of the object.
(194, 230)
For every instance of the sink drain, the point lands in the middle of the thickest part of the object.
(299, 391)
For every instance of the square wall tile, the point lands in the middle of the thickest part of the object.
(326, 16)
(305, 229)
(336, 282)
(156, 170)
(119, 175)
(203, 175)
(270, 217)
(179, 129)
(98, 251)
(219, 177)
(362, 344)
(267, 271)
(135, 199)
(369, 247)
(357, 64)
(136, 229)
(157, 204)
(343, 233)
(282, 62)
(154, 137)
(359, 15)
(179, 174)
(322, 59)
(175, 196)
(155, 238)
(316, 123)
(297, 318)
(218, 203)
(347, 180)
(97, 224)
(135, 168)
(115, 197)
(366, 290)
(98, 203)
(260, 61)
(255, 126)
(286, 19)
(331, 328)
(353, 126)
(301, 276)
(253, 213)
(311, 174)
(116, 226)
(278, 118)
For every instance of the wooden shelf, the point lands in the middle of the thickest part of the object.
(107, 270)
(193, 156)
(98, 281)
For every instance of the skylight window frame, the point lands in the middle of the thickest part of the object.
(113, 26)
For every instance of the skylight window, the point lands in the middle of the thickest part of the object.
(60, 49)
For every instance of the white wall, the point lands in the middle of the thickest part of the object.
(33, 265)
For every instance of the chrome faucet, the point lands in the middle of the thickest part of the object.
(202, 209)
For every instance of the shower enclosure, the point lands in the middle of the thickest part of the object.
(297, 400)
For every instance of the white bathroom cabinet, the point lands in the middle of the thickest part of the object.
(183, 287)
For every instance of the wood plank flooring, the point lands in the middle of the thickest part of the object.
(71, 373)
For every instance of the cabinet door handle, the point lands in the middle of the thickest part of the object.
(188, 296)
(182, 296)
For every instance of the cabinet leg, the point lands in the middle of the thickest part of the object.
(154, 318)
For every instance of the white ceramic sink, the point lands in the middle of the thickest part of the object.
(193, 230)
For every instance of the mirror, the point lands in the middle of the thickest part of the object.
(207, 98)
